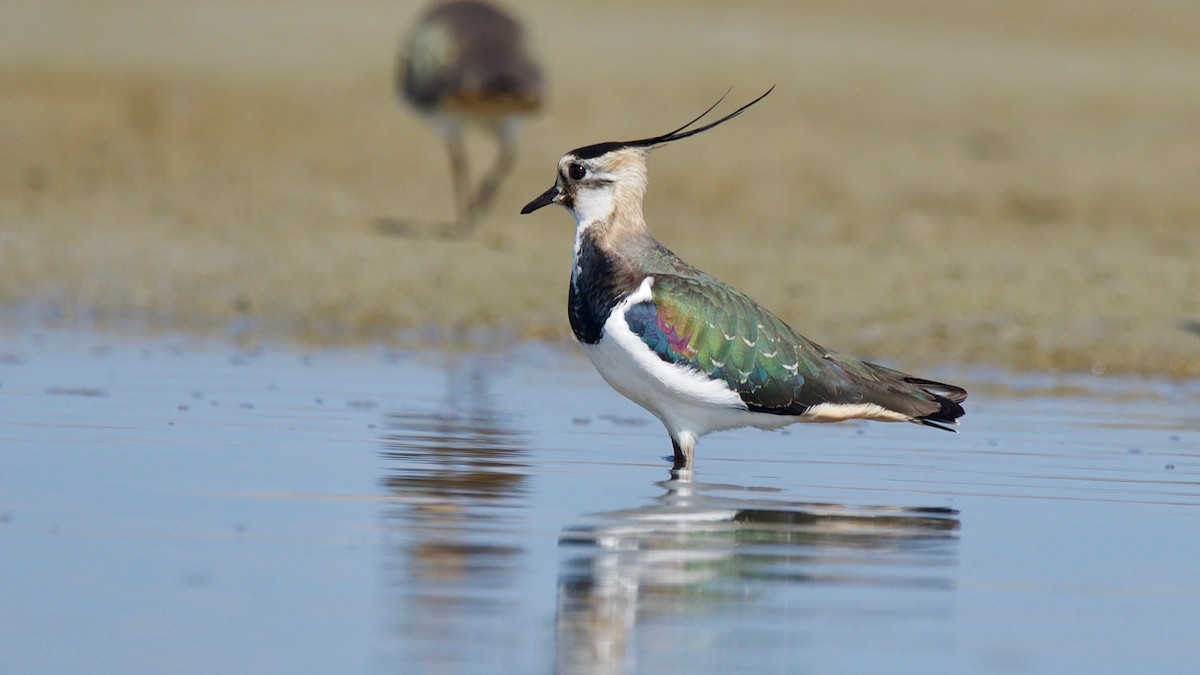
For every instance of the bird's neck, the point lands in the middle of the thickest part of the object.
(614, 223)
(614, 253)
(606, 267)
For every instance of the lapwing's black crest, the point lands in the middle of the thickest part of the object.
(598, 149)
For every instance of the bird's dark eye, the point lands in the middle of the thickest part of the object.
(576, 171)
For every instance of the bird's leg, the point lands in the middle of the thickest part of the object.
(685, 449)
(682, 473)
(506, 154)
(680, 460)
(460, 175)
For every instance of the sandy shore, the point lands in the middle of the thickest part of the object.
(950, 183)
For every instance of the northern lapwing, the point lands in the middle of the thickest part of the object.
(697, 353)
(467, 64)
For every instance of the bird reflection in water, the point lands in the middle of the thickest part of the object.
(725, 551)
(457, 469)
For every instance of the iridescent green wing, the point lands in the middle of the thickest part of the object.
(696, 320)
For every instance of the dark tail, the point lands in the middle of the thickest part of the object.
(949, 399)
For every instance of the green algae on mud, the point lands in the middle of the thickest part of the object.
(943, 185)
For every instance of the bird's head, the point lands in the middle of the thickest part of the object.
(596, 181)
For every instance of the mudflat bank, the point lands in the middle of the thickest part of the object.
(955, 183)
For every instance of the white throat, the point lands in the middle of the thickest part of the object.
(592, 205)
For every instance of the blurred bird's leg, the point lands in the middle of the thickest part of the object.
(506, 154)
(460, 176)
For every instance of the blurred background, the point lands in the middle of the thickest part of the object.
(938, 181)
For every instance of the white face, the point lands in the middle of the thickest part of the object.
(598, 187)
(593, 188)
(585, 188)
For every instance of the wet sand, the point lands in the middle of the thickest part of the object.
(1008, 185)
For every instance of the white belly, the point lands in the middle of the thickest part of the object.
(684, 399)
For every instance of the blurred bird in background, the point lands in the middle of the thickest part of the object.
(466, 64)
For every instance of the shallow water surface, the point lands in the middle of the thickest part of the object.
(172, 505)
